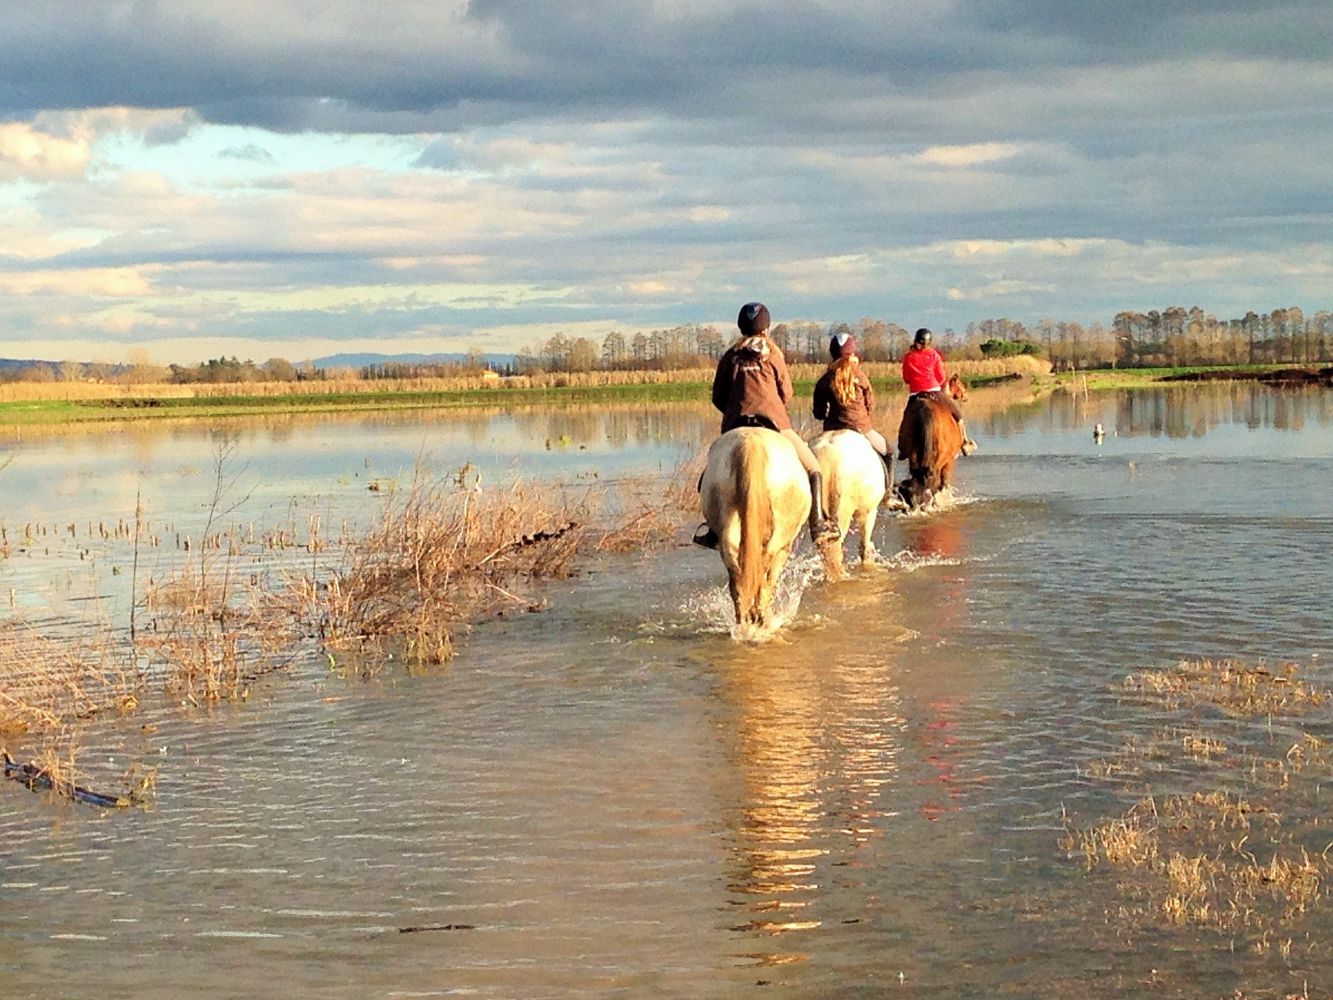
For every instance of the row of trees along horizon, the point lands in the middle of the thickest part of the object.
(1172, 337)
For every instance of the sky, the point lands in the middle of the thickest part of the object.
(195, 178)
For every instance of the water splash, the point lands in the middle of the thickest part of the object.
(710, 612)
(944, 501)
(908, 561)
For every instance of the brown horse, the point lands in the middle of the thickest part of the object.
(930, 440)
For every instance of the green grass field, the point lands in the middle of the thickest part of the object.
(1138, 378)
(77, 411)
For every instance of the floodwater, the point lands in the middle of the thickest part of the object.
(615, 798)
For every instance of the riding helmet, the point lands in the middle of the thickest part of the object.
(753, 319)
(922, 338)
(841, 345)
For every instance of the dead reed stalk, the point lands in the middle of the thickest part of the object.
(442, 553)
(1226, 859)
(1237, 688)
(53, 682)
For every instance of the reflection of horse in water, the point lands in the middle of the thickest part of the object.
(930, 439)
(756, 498)
(853, 486)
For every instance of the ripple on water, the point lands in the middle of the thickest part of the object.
(614, 797)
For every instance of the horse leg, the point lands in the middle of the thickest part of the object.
(735, 598)
(946, 475)
(770, 586)
(868, 529)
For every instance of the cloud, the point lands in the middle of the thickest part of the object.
(249, 153)
(497, 164)
(968, 156)
(91, 283)
(30, 153)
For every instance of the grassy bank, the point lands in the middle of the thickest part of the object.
(56, 403)
(1138, 378)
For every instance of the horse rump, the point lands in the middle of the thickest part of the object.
(929, 439)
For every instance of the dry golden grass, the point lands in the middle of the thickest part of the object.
(1197, 858)
(50, 682)
(1236, 688)
(76, 390)
(1221, 859)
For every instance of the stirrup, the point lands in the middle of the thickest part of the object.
(969, 446)
(704, 536)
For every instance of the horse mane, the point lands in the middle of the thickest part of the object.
(749, 463)
(956, 388)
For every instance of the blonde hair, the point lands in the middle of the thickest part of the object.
(844, 378)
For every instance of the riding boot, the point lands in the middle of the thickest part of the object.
(889, 493)
(969, 445)
(822, 527)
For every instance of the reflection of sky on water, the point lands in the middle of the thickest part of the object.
(1231, 421)
(95, 473)
(331, 459)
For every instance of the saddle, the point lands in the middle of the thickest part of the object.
(744, 420)
(755, 420)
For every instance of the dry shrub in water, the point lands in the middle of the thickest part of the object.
(645, 513)
(207, 636)
(49, 683)
(442, 554)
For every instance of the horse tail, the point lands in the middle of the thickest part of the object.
(750, 476)
(927, 442)
(940, 444)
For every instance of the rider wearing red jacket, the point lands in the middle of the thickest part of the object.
(923, 371)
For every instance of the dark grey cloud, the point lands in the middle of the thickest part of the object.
(1136, 30)
(292, 67)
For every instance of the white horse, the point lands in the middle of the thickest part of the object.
(854, 484)
(756, 498)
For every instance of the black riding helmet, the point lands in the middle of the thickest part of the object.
(922, 338)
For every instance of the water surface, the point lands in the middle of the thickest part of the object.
(615, 798)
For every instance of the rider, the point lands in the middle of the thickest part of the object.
(923, 371)
(845, 400)
(751, 388)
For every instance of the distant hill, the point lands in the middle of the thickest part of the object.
(12, 363)
(362, 360)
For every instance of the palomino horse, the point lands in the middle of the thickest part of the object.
(756, 498)
(930, 440)
(854, 488)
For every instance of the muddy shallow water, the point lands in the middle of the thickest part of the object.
(613, 797)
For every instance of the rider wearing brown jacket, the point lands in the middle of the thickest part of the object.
(752, 387)
(845, 400)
